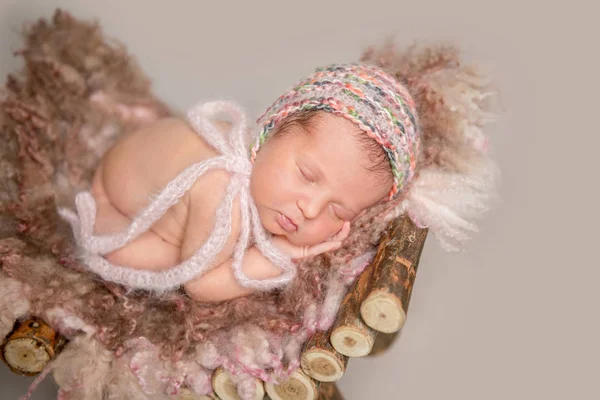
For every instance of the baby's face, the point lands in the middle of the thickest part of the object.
(307, 181)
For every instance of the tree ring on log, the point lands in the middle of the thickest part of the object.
(322, 365)
(298, 387)
(383, 312)
(352, 341)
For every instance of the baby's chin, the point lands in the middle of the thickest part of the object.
(293, 238)
(297, 240)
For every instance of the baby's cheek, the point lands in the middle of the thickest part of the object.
(323, 229)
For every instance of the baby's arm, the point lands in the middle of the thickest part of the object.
(220, 284)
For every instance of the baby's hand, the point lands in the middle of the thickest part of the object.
(297, 252)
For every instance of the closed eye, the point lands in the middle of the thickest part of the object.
(306, 175)
(337, 214)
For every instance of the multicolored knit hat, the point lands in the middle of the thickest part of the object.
(363, 94)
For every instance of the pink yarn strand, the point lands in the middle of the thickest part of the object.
(37, 381)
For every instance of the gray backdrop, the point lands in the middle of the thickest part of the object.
(514, 316)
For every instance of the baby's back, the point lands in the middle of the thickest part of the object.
(144, 161)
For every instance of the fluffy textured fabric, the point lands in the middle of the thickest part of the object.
(13, 305)
(75, 96)
(364, 94)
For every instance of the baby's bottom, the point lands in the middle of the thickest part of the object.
(148, 251)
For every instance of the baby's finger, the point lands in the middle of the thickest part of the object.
(342, 234)
(321, 248)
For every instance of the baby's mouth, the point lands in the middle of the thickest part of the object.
(286, 223)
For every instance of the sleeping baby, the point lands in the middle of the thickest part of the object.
(197, 203)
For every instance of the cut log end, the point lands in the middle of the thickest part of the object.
(226, 390)
(26, 356)
(187, 394)
(329, 391)
(322, 365)
(383, 312)
(352, 341)
(298, 387)
(30, 347)
(383, 341)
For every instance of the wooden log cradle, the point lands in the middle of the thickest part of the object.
(393, 277)
(187, 394)
(383, 341)
(329, 391)
(320, 360)
(298, 387)
(30, 346)
(225, 388)
(370, 316)
(350, 335)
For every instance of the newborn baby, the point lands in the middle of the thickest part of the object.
(341, 141)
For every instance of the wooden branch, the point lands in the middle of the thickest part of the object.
(298, 387)
(393, 278)
(350, 336)
(31, 346)
(225, 388)
(321, 361)
(383, 341)
(329, 391)
(187, 394)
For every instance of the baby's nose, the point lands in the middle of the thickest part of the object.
(312, 206)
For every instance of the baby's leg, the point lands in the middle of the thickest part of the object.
(108, 218)
(147, 251)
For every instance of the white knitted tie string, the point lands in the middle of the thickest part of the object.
(234, 159)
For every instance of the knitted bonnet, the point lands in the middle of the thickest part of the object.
(366, 95)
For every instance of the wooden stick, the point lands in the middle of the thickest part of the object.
(31, 346)
(329, 391)
(393, 278)
(187, 394)
(383, 341)
(321, 361)
(350, 336)
(225, 388)
(298, 387)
